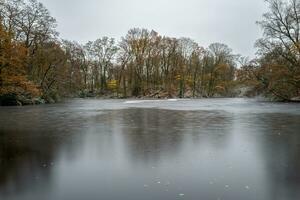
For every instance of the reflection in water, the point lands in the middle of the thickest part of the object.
(151, 134)
(281, 150)
(76, 151)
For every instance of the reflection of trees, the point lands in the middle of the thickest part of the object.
(280, 147)
(29, 144)
(24, 161)
(146, 136)
(152, 133)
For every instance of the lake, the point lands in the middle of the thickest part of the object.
(210, 149)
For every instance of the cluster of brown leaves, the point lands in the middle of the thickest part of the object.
(13, 78)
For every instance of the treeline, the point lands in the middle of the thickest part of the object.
(276, 71)
(36, 65)
(32, 62)
(142, 63)
(145, 63)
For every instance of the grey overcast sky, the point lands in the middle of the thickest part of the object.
(206, 21)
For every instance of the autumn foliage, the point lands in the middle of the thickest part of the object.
(276, 72)
(13, 72)
(34, 62)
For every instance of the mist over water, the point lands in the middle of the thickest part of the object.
(132, 150)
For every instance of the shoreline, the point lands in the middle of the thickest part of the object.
(41, 101)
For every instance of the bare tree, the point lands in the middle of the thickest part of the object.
(280, 48)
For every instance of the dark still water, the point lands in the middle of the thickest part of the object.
(224, 149)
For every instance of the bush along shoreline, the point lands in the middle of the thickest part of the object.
(26, 99)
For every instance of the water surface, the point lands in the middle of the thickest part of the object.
(221, 149)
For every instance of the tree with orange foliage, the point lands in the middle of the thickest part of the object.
(14, 85)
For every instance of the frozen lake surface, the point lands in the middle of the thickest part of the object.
(211, 149)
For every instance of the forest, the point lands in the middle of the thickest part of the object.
(37, 66)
